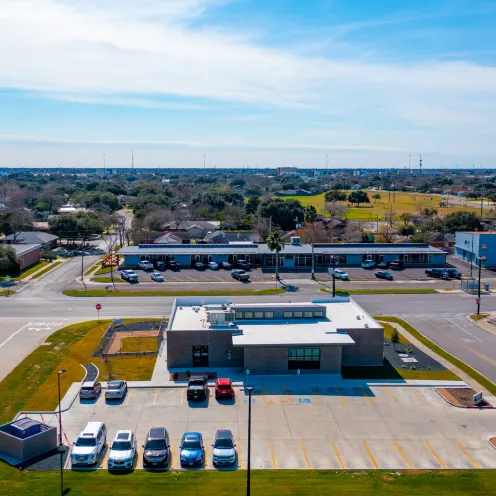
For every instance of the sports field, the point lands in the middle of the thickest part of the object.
(403, 202)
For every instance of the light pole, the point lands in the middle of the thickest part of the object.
(333, 261)
(61, 446)
(248, 472)
(479, 260)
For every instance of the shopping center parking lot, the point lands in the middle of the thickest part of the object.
(378, 427)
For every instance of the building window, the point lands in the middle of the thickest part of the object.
(288, 315)
(269, 315)
(308, 315)
(200, 356)
(259, 315)
(298, 315)
(239, 315)
(318, 313)
(248, 315)
(303, 358)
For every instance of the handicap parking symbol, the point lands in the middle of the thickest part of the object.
(303, 401)
(248, 401)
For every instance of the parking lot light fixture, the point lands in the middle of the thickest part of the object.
(248, 467)
(59, 373)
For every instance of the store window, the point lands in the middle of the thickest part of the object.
(298, 315)
(200, 356)
(259, 315)
(269, 315)
(303, 358)
(288, 315)
(308, 315)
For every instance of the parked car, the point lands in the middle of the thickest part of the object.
(157, 276)
(225, 265)
(90, 390)
(438, 273)
(223, 452)
(224, 389)
(383, 274)
(123, 450)
(173, 265)
(116, 390)
(156, 448)
(160, 265)
(199, 266)
(383, 265)
(192, 450)
(129, 275)
(368, 264)
(197, 388)
(213, 265)
(396, 265)
(453, 273)
(145, 265)
(240, 275)
(89, 444)
(243, 264)
(340, 274)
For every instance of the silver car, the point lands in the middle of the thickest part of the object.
(123, 450)
(224, 452)
(116, 390)
(89, 444)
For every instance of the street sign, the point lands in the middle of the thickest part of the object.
(477, 301)
(477, 398)
(7, 278)
(98, 306)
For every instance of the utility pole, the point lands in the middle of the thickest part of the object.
(132, 159)
(482, 195)
(104, 165)
(204, 161)
(420, 164)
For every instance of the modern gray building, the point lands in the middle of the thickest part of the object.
(273, 338)
(294, 255)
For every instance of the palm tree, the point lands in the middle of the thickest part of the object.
(275, 243)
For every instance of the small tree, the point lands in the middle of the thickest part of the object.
(377, 196)
(334, 196)
(395, 338)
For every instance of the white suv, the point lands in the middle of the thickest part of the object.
(90, 443)
(340, 274)
(129, 275)
(123, 450)
(145, 265)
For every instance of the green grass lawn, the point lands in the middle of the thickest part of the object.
(403, 202)
(106, 279)
(135, 344)
(234, 292)
(233, 483)
(346, 292)
(32, 385)
(48, 268)
(483, 381)
(5, 292)
(91, 269)
(28, 271)
(476, 317)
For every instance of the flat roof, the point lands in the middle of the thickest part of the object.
(341, 314)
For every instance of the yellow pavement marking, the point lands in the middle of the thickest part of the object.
(466, 453)
(206, 456)
(183, 390)
(341, 396)
(317, 400)
(273, 456)
(305, 454)
(288, 392)
(155, 399)
(416, 394)
(128, 397)
(369, 399)
(436, 455)
(239, 455)
(101, 399)
(102, 465)
(139, 460)
(370, 454)
(403, 455)
(391, 394)
(173, 452)
(340, 460)
(262, 392)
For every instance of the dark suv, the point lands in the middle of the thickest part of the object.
(453, 273)
(197, 388)
(173, 265)
(243, 264)
(439, 273)
(156, 448)
(160, 265)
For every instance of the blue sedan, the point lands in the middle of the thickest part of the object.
(192, 449)
(383, 274)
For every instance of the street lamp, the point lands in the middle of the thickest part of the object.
(61, 446)
(333, 262)
(250, 390)
(479, 260)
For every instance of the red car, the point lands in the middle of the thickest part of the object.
(224, 388)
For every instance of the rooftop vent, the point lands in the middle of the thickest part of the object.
(295, 240)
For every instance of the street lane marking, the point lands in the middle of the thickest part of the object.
(128, 397)
(272, 455)
(102, 465)
(239, 455)
(206, 456)
(403, 455)
(390, 394)
(173, 451)
(436, 455)
(338, 456)
(138, 461)
(370, 454)
(340, 395)
(416, 394)
(262, 392)
(369, 399)
(305, 454)
(182, 395)
(14, 334)
(465, 330)
(317, 400)
(155, 399)
(465, 452)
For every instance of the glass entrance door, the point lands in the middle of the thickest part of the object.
(200, 356)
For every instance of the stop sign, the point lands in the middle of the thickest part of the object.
(98, 306)
(477, 301)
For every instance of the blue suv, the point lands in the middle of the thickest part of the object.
(192, 449)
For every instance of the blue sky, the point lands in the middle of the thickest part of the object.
(247, 82)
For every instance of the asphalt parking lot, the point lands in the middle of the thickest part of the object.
(394, 427)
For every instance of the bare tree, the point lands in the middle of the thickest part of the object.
(111, 243)
(386, 233)
(336, 210)
(261, 226)
(180, 215)
(353, 232)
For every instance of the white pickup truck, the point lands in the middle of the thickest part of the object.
(129, 275)
(145, 265)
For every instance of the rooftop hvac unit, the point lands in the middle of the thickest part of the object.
(295, 240)
(220, 316)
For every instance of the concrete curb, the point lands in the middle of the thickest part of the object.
(472, 407)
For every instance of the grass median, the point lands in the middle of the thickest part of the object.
(346, 292)
(6, 292)
(235, 292)
(107, 280)
(48, 268)
(483, 381)
(233, 483)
